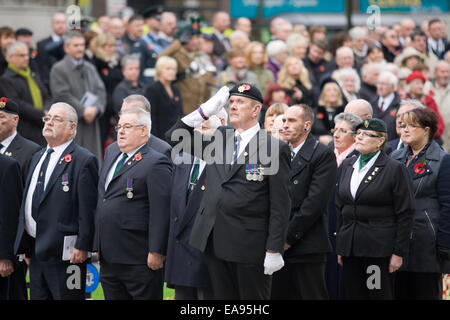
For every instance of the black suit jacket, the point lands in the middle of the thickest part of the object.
(248, 217)
(128, 229)
(47, 58)
(185, 265)
(378, 222)
(22, 150)
(10, 198)
(218, 47)
(388, 115)
(313, 176)
(30, 123)
(63, 213)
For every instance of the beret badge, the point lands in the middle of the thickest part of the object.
(3, 102)
(244, 87)
(366, 124)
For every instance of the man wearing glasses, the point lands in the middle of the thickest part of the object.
(132, 220)
(56, 222)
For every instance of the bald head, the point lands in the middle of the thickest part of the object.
(345, 57)
(244, 24)
(442, 73)
(407, 26)
(360, 108)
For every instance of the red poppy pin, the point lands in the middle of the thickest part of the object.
(34, 53)
(195, 26)
(138, 157)
(105, 71)
(3, 101)
(431, 92)
(320, 115)
(397, 52)
(419, 167)
(244, 87)
(68, 158)
(393, 112)
(150, 47)
(322, 68)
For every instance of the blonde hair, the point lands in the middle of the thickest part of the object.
(163, 62)
(248, 53)
(321, 101)
(99, 43)
(276, 109)
(288, 81)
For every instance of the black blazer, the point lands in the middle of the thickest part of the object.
(378, 222)
(185, 265)
(313, 176)
(63, 213)
(128, 229)
(165, 110)
(389, 115)
(10, 198)
(22, 150)
(248, 217)
(30, 123)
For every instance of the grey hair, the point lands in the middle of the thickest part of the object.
(393, 80)
(275, 47)
(345, 72)
(293, 39)
(129, 58)
(143, 117)
(71, 112)
(71, 35)
(143, 101)
(14, 46)
(411, 102)
(350, 118)
(357, 32)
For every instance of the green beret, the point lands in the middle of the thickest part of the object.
(373, 124)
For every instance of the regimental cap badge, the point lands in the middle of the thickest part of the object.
(366, 124)
(3, 101)
(244, 87)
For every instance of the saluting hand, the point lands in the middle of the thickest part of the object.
(155, 261)
(395, 263)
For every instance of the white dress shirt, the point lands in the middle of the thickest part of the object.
(358, 175)
(387, 101)
(113, 167)
(246, 136)
(297, 148)
(5, 143)
(30, 224)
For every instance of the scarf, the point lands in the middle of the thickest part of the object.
(34, 89)
(365, 158)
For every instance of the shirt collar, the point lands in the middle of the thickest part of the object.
(8, 140)
(249, 133)
(60, 149)
(129, 154)
(387, 100)
(368, 164)
(297, 148)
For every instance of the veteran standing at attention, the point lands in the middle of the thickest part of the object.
(242, 224)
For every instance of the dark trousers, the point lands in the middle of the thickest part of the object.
(193, 293)
(300, 281)
(130, 282)
(236, 281)
(14, 287)
(57, 280)
(333, 277)
(418, 285)
(361, 282)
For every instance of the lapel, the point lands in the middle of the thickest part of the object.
(372, 173)
(108, 162)
(391, 108)
(347, 176)
(131, 162)
(33, 163)
(303, 156)
(13, 147)
(59, 169)
(261, 138)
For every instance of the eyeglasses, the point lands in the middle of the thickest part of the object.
(127, 126)
(342, 131)
(408, 126)
(365, 134)
(57, 119)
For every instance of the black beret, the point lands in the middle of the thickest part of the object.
(153, 11)
(373, 124)
(247, 90)
(8, 105)
(23, 32)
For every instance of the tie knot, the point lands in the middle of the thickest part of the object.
(50, 151)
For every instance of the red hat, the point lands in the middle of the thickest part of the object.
(415, 75)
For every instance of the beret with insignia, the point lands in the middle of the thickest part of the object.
(372, 124)
(8, 105)
(247, 90)
(153, 12)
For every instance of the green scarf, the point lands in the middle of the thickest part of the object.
(365, 158)
(34, 89)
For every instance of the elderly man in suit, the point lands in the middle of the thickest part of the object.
(10, 197)
(242, 223)
(313, 175)
(56, 222)
(185, 269)
(12, 144)
(76, 82)
(139, 101)
(132, 219)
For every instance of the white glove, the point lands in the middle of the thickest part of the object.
(273, 262)
(209, 108)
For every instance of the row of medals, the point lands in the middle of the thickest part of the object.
(254, 174)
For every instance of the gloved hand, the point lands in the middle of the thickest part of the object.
(443, 253)
(209, 108)
(216, 102)
(273, 262)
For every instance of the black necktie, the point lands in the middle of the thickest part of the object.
(292, 154)
(1, 146)
(39, 190)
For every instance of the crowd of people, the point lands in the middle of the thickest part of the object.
(361, 124)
